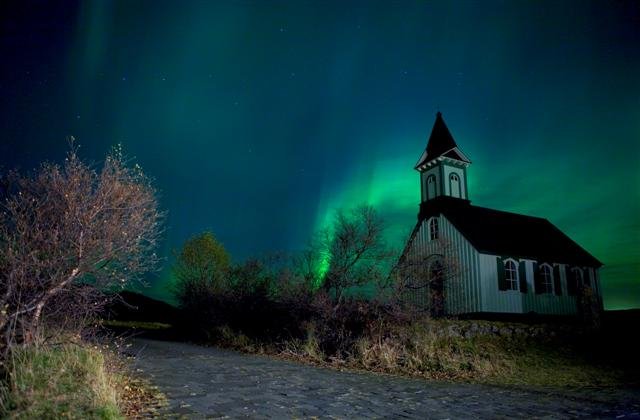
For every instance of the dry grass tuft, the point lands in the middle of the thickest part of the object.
(74, 380)
(421, 349)
(69, 380)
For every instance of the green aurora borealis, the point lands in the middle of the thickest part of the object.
(259, 118)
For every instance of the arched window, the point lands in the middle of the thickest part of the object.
(431, 186)
(433, 228)
(511, 275)
(454, 186)
(546, 279)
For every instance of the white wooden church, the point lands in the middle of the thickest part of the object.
(506, 262)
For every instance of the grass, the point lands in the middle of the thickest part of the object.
(533, 363)
(73, 381)
(67, 381)
(421, 350)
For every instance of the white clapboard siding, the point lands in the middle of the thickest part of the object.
(511, 301)
(475, 288)
(495, 300)
(550, 303)
(462, 293)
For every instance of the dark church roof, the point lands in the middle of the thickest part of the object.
(509, 234)
(441, 143)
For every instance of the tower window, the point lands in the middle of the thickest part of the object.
(511, 275)
(433, 228)
(454, 186)
(431, 186)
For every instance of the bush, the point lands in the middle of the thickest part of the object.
(63, 381)
(338, 328)
(67, 234)
(201, 266)
(258, 299)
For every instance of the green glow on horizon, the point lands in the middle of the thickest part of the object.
(392, 187)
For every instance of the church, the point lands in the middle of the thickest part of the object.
(472, 259)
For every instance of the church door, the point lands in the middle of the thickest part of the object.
(436, 290)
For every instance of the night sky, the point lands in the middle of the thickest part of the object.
(258, 118)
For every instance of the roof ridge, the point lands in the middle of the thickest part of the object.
(511, 212)
(500, 232)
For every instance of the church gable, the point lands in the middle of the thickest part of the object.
(435, 240)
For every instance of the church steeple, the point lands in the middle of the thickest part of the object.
(442, 165)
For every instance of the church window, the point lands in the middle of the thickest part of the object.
(546, 279)
(433, 228)
(454, 186)
(511, 275)
(431, 186)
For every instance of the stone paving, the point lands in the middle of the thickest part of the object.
(202, 382)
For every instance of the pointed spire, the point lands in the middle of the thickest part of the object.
(440, 140)
(441, 143)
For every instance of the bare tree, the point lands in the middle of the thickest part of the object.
(354, 251)
(306, 266)
(421, 278)
(68, 230)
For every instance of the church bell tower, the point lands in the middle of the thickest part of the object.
(442, 166)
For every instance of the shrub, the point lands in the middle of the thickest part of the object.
(262, 300)
(338, 328)
(68, 233)
(201, 266)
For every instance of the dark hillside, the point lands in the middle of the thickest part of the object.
(132, 306)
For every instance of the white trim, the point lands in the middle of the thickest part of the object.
(441, 159)
(551, 276)
(581, 271)
(437, 229)
(420, 159)
(517, 270)
(461, 154)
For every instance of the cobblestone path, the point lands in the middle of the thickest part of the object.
(204, 382)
